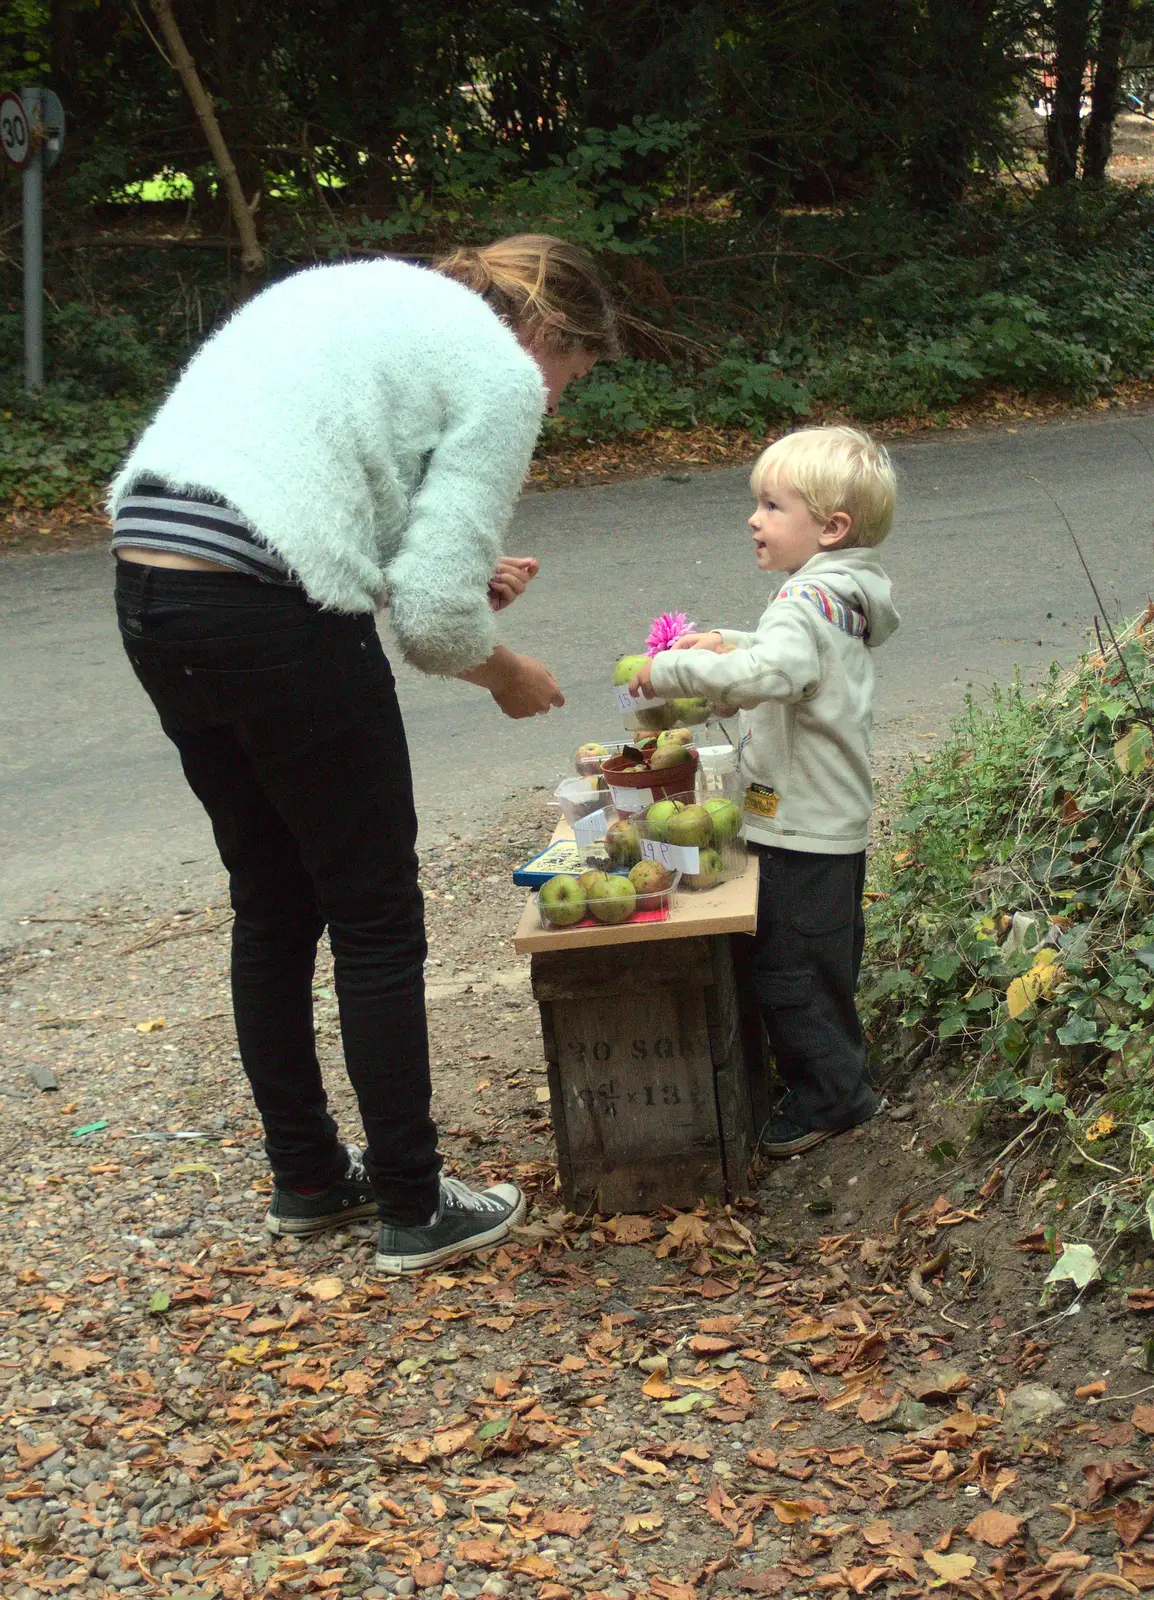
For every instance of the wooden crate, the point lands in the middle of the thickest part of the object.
(656, 1072)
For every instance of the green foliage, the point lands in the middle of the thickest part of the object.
(1016, 918)
(54, 448)
(481, 193)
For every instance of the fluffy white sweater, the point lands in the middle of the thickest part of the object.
(374, 423)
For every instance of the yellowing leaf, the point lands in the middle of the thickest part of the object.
(792, 1511)
(1041, 981)
(950, 1569)
(684, 1403)
(686, 1233)
(656, 1388)
(325, 1288)
(656, 1469)
(1132, 751)
(640, 1525)
(74, 1358)
(150, 1027)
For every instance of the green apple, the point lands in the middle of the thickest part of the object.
(623, 843)
(650, 877)
(727, 818)
(674, 736)
(616, 902)
(690, 712)
(591, 881)
(710, 870)
(668, 755)
(627, 669)
(692, 825)
(658, 816)
(562, 901)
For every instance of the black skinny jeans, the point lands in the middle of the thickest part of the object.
(804, 968)
(290, 735)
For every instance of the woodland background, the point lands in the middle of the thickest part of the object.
(812, 207)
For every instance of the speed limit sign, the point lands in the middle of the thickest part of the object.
(15, 132)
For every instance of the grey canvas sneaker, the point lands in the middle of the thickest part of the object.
(467, 1220)
(350, 1199)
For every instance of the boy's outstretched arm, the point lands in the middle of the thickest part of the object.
(782, 661)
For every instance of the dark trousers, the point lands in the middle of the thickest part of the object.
(290, 735)
(804, 970)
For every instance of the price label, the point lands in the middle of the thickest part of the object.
(677, 857)
(587, 830)
(628, 703)
(632, 800)
(15, 133)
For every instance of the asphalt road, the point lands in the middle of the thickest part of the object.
(986, 578)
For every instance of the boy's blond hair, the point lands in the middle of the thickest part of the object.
(835, 469)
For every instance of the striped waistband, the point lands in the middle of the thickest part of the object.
(191, 522)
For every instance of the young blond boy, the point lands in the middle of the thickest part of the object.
(805, 682)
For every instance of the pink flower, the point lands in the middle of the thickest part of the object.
(670, 625)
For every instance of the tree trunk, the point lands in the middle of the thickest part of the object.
(1104, 99)
(252, 263)
(955, 77)
(1071, 20)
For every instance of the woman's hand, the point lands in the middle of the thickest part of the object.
(700, 641)
(521, 686)
(530, 690)
(512, 578)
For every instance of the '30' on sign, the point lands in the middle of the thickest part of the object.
(15, 132)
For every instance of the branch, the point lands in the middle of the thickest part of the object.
(251, 255)
(762, 255)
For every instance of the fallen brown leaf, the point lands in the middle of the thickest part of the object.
(74, 1358)
(1108, 1477)
(325, 1289)
(949, 1568)
(794, 1511)
(995, 1528)
(1143, 1418)
(482, 1552)
(630, 1229)
(1131, 1520)
(569, 1522)
(772, 1581)
(31, 1455)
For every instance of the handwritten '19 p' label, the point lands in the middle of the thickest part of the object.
(677, 857)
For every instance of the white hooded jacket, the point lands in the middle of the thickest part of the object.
(805, 687)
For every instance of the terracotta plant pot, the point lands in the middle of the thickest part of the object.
(665, 784)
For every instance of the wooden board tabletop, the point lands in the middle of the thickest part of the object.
(730, 908)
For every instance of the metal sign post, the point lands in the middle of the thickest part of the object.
(32, 137)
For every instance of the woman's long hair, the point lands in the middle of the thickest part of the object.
(535, 281)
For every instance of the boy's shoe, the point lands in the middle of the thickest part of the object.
(466, 1220)
(350, 1199)
(783, 1137)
